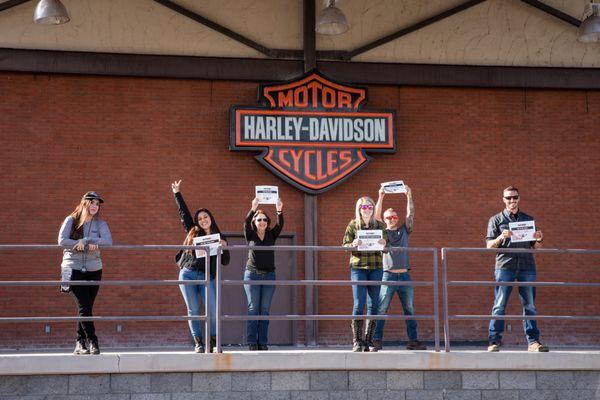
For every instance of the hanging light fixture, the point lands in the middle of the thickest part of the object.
(332, 20)
(51, 12)
(589, 30)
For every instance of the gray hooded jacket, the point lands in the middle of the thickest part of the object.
(95, 232)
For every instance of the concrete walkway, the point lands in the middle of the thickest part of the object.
(291, 359)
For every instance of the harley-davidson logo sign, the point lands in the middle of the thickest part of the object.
(312, 131)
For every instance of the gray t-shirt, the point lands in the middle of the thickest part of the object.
(399, 238)
(95, 232)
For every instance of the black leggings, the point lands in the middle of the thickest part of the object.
(84, 299)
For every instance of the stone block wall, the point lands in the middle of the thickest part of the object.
(317, 385)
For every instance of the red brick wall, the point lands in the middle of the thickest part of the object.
(128, 138)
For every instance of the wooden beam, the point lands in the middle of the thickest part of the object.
(310, 200)
(215, 26)
(252, 69)
(412, 28)
(11, 3)
(553, 11)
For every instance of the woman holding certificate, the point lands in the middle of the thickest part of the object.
(366, 264)
(193, 268)
(260, 266)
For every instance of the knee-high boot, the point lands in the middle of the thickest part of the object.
(357, 342)
(369, 346)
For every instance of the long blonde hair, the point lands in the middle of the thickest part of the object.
(358, 217)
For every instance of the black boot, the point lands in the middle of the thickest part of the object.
(357, 342)
(81, 347)
(369, 346)
(199, 347)
(213, 344)
(94, 348)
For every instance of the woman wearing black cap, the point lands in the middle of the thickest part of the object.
(203, 223)
(83, 232)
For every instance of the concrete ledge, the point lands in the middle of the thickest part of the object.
(294, 360)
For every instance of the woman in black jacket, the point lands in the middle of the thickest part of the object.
(260, 266)
(203, 223)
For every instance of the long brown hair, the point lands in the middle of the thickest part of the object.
(189, 239)
(80, 214)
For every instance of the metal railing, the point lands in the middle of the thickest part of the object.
(446, 284)
(219, 283)
(320, 317)
(204, 282)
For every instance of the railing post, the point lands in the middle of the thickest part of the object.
(436, 300)
(218, 304)
(445, 299)
(207, 312)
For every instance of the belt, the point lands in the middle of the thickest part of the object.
(259, 271)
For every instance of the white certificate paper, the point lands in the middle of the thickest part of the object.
(267, 194)
(213, 241)
(370, 240)
(522, 231)
(393, 187)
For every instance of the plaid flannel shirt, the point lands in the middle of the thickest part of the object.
(364, 259)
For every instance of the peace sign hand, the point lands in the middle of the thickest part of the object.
(175, 186)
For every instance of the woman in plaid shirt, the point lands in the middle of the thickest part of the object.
(364, 266)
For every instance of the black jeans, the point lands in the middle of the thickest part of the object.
(84, 299)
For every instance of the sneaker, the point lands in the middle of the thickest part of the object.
(494, 347)
(377, 344)
(415, 345)
(81, 348)
(537, 347)
(94, 349)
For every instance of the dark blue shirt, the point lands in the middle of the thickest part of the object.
(511, 261)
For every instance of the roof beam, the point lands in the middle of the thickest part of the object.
(412, 28)
(553, 11)
(11, 3)
(216, 27)
(248, 69)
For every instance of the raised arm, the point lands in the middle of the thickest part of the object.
(184, 213)
(379, 205)
(248, 231)
(410, 209)
(276, 230)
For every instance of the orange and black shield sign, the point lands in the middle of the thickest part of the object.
(311, 131)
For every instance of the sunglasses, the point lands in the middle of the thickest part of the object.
(95, 202)
(392, 217)
(261, 220)
(366, 207)
(511, 197)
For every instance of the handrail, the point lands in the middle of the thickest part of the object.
(220, 282)
(204, 282)
(446, 284)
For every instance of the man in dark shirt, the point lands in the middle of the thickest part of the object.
(511, 267)
(397, 270)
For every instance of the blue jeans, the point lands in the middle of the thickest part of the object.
(406, 295)
(527, 297)
(194, 296)
(259, 303)
(359, 293)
